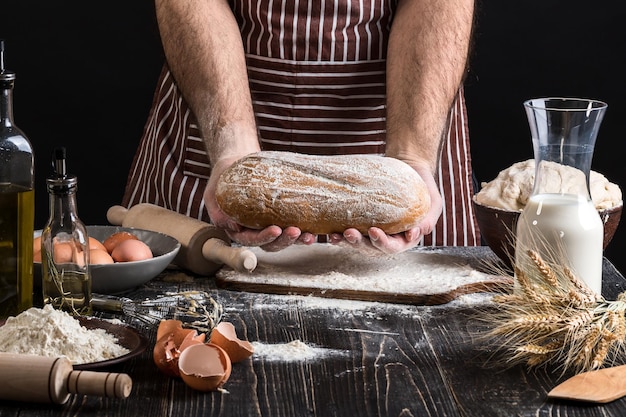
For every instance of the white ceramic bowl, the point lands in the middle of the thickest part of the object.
(124, 276)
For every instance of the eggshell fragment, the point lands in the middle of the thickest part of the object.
(112, 241)
(225, 336)
(204, 367)
(192, 338)
(165, 355)
(130, 250)
(168, 326)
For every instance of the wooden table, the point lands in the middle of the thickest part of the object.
(372, 359)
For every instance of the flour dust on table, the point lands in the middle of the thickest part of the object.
(293, 351)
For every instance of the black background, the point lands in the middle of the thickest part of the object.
(87, 71)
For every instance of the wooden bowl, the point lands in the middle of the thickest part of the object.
(497, 228)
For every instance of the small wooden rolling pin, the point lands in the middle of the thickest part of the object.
(51, 380)
(204, 248)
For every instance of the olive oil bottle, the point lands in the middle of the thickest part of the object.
(66, 277)
(17, 205)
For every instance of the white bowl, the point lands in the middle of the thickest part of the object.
(124, 276)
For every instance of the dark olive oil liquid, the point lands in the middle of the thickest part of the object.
(17, 217)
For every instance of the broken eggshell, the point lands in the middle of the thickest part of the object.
(225, 336)
(168, 326)
(205, 366)
(172, 339)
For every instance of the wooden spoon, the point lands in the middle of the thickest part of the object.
(600, 386)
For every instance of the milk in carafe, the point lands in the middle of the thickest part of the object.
(570, 228)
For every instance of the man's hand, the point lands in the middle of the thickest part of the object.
(271, 239)
(378, 241)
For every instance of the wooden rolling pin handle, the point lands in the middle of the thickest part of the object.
(102, 384)
(218, 251)
(43, 379)
(116, 215)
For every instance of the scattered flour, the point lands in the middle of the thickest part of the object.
(311, 302)
(52, 333)
(330, 267)
(293, 351)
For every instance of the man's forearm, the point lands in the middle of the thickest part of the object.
(427, 59)
(202, 44)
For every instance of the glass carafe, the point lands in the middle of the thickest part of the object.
(560, 221)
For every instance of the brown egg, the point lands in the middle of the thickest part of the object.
(37, 245)
(99, 257)
(204, 367)
(37, 249)
(63, 252)
(130, 250)
(112, 241)
(225, 337)
(96, 244)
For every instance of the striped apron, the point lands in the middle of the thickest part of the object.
(317, 78)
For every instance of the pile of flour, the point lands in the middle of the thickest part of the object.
(53, 333)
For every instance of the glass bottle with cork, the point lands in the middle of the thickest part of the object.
(66, 277)
(17, 205)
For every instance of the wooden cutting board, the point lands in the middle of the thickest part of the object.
(425, 276)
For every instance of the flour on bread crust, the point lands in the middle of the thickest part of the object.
(323, 194)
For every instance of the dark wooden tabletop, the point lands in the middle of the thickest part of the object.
(367, 359)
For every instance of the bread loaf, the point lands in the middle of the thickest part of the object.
(323, 194)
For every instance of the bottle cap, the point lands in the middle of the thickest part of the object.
(4, 74)
(64, 185)
(60, 181)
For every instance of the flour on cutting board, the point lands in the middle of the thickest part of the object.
(330, 267)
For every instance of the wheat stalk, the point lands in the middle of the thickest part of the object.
(551, 317)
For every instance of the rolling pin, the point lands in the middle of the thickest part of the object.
(51, 380)
(203, 247)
